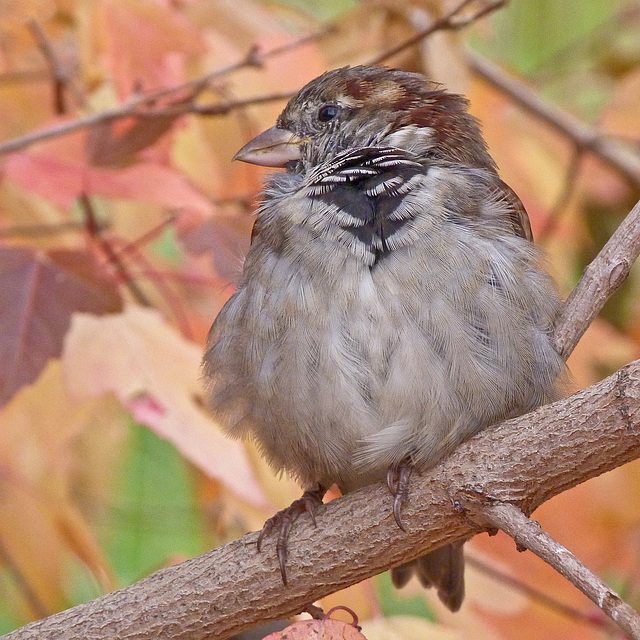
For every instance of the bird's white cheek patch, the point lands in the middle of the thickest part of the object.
(412, 138)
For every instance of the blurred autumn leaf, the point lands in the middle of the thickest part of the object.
(109, 465)
(38, 295)
(153, 372)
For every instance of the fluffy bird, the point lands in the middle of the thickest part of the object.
(392, 303)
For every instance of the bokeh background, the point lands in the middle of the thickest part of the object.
(120, 241)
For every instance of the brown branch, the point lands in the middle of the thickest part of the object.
(562, 201)
(94, 231)
(524, 461)
(19, 77)
(22, 583)
(59, 72)
(528, 534)
(619, 156)
(603, 277)
(219, 108)
(34, 230)
(449, 22)
(191, 89)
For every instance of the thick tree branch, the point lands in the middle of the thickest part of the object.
(529, 535)
(524, 461)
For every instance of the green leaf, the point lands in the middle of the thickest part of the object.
(393, 603)
(155, 515)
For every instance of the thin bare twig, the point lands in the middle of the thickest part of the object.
(619, 156)
(32, 75)
(94, 231)
(603, 277)
(528, 534)
(450, 22)
(22, 230)
(170, 296)
(191, 88)
(218, 108)
(150, 235)
(29, 593)
(562, 201)
(61, 77)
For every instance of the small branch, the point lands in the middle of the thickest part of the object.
(224, 107)
(19, 77)
(59, 73)
(30, 595)
(34, 230)
(173, 300)
(114, 259)
(529, 535)
(584, 137)
(191, 88)
(218, 108)
(253, 58)
(450, 22)
(603, 277)
(562, 201)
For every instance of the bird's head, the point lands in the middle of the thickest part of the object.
(368, 106)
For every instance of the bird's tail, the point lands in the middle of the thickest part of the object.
(442, 569)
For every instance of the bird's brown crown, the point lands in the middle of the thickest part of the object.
(362, 105)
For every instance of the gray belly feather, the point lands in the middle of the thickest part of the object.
(338, 367)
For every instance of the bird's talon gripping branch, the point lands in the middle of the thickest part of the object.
(398, 476)
(282, 521)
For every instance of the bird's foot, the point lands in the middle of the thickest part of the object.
(398, 476)
(282, 521)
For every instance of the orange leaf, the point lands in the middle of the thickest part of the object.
(155, 373)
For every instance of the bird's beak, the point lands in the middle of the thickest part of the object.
(272, 148)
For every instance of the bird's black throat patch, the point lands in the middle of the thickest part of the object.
(364, 190)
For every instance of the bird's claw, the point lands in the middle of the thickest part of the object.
(282, 521)
(398, 476)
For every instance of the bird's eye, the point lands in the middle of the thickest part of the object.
(328, 112)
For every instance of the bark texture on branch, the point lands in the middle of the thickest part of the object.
(524, 461)
(602, 277)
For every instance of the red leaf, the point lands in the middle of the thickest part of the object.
(38, 294)
(62, 182)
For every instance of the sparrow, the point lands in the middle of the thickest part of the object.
(392, 303)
